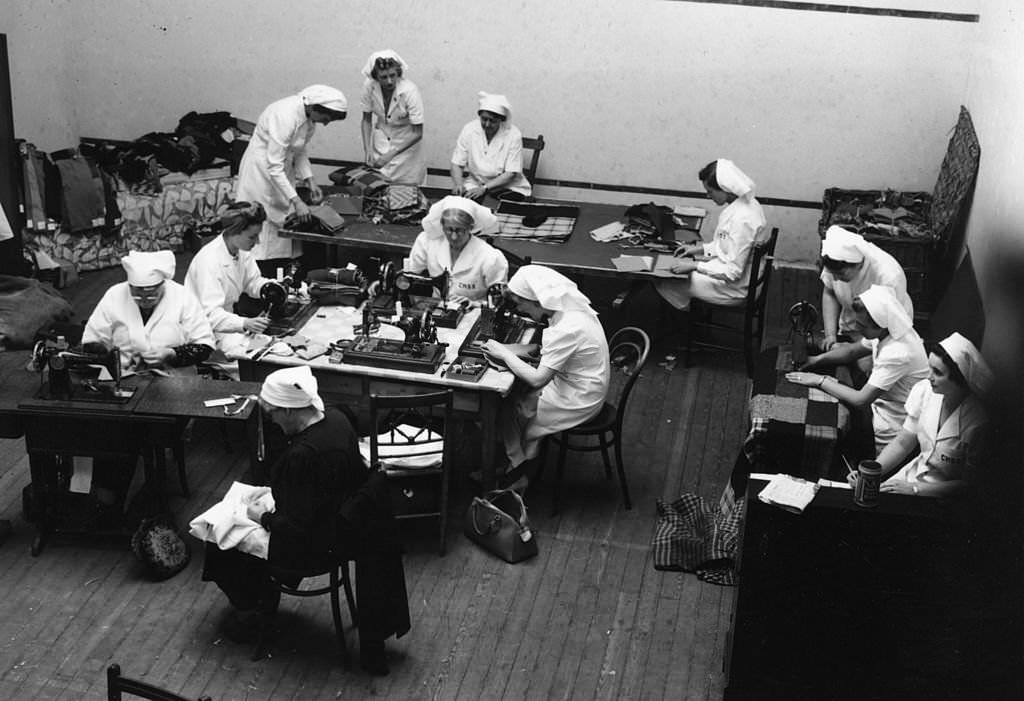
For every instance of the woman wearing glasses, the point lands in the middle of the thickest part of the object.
(488, 156)
(392, 125)
(152, 320)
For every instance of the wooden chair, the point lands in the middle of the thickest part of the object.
(751, 329)
(117, 686)
(536, 145)
(628, 349)
(407, 443)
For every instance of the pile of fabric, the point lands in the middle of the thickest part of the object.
(884, 212)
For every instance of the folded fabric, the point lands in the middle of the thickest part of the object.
(227, 525)
(394, 451)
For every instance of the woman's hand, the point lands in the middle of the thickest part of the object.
(683, 267)
(897, 487)
(807, 379)
(475, 193)
(301, 210)
(829, 341)
(255, 324)
(498, 350)
(316, 195)
(812, 362)
(384, 159)
(254, 504)
(458, 190)
(851, 479)
(156, 357)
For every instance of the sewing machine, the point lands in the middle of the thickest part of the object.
(70, 374)
(401, 287)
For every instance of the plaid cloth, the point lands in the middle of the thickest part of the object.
(368, 179)
(395, 204)
(692, 536)
(557, 228)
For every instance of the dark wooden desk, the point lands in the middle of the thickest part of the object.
(843, 602)
(580, 255)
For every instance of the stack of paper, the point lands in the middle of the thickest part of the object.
(790, 493)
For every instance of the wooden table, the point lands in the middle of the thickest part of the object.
(580, 255)
(353, 384)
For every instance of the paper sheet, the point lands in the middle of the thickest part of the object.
(633, 264)
(787, 492)
(609, 232)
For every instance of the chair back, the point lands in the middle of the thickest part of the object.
(628, 349)
(761, 265)
(535, 144)
(117, 686)
(409, 429)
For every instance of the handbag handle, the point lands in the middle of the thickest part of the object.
(521, 520)
(492, 526)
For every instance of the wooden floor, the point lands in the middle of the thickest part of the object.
(589, 618)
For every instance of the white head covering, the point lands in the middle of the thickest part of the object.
(325, 96)
(148, 269)
(550, 289)
(386, 53)
(844, 245)
(484, 221)
(969, 362)
(732, 179)
(498, 104)
(291, 388)
(886, 310)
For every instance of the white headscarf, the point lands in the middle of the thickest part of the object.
(969, 362)
(148, 269)
(325, 96)
(841, 244)
(484, 221)
(498, 104)
(732, 179)
(550, 289)
(292, 388)
(886, 310)
(386, 53)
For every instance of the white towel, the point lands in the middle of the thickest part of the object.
(400, 456)
(227, 525)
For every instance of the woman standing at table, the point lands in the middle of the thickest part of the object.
(448, 244)
(488, 156)
(276, 160)
(392, 125)
(719, 271)
(569, 385)
(898, 363)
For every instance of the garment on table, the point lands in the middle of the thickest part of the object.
(478, 266)
(574, 347)
(948, 452)
(897, 365)
(116, 322)
(393, 125)
(218, 279)
(483, 161)
(275, 158)
(878, 268)
(724, 278)
(83, 197)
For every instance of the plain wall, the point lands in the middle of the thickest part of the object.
(625, 91)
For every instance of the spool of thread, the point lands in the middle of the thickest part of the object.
(869, 478)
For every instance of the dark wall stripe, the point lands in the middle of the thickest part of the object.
(845, 9)
(604, 187)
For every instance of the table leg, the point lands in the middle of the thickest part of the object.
(488, 437)
(43, 508)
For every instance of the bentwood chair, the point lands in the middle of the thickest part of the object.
(536, 145)
(628, 350)
(118, 686)
(706, 333)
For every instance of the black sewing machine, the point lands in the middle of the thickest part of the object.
(416, 294)
(501, 324)
(418, 352)
(72, 374)
(287, 315)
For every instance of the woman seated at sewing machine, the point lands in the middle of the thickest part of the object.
(898, 363)
(152, 320)
(449, 244)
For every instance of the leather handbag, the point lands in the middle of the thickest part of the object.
(498, 523)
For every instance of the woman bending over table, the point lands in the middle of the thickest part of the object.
(569, 385)
(719, 271)
(488, 156)
(392, 125)
(898, 363)
(448, 243)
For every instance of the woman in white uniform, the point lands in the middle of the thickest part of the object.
(392, 125)
(718, 272)
(570, 384)
(276, 160)
(945, 420)
(150, 318)
(225, 269)
(448, 243)
(851, 265)
(488, 156)
(898, 363)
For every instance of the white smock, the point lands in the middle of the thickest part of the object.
(176, 320)
(950, 452)
(482, 160)
(897, 365)
(878, 268)
(478, 266)
(274, 160)
(393, 125)
(218, 279)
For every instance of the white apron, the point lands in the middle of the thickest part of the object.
(394, 125)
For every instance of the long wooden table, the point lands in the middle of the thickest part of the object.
(353, 384)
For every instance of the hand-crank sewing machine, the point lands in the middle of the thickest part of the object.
(74, 374)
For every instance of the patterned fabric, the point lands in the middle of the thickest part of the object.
(559, 221)
(692, 536)
(395, 204)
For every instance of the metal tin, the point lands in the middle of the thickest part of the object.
(869, 478)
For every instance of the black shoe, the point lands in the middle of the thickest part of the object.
(373, 658)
